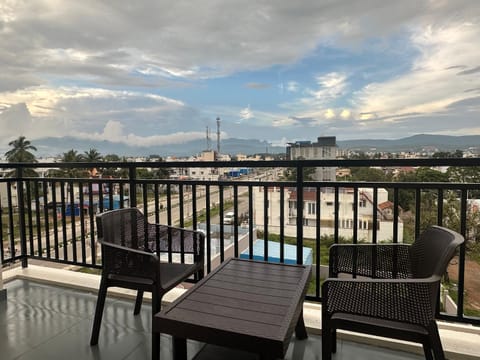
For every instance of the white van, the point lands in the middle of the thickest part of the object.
(229, 218)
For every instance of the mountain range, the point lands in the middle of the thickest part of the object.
(233, 146)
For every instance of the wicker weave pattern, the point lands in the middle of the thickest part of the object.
(131, 249)
(130, 228)
(133, 243)
(392, 289)
(406, 301)
(381, 261)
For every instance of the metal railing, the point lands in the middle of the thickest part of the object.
(53, 217)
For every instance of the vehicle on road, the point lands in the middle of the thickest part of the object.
(229, 218)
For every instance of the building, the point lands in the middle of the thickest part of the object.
(365, 224)
(324, 149)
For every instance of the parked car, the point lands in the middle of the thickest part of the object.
(229, 218)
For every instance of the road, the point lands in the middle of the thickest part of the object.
(175, 216)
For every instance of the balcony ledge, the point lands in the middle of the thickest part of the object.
(460, 341)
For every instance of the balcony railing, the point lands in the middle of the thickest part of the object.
(52, 217)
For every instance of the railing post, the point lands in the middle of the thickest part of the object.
(21, 216)
(299, 213)
(132, 175)
(3, 292)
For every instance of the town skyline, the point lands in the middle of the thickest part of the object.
(423, 144)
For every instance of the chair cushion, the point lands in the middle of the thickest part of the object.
(378, 327)
(172, 274)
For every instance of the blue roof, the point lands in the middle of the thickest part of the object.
(290, 252)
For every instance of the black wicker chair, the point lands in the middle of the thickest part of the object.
(392, 290)
(131, 248)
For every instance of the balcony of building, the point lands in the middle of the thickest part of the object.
(48, 232)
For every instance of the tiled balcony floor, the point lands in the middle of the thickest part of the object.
(46, 322)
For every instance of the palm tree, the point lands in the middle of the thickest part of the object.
(20, 151)
(92, 155)
(71, 156)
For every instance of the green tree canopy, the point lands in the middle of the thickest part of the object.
(71, 156)
(21, 151)
(112, 158)
(368, 174)
(92, 155)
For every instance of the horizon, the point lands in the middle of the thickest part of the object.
(250, 147)
(272, 71)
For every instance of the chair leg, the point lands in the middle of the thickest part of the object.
(156, 304)
(102, 294)
(436, 342)
(334, 341)
(427, 350)
(326, 339)
(138, 302)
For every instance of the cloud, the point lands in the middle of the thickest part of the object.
(256, 85)
(292, 86)
(470, 71)
(246, 113)
(101, 67)
(114, 132)
(114, 48)
(124, 116)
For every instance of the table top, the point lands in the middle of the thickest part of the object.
(245, 304)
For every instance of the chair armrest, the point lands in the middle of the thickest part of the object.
(407, 300)
(122, 260)
(383, 261)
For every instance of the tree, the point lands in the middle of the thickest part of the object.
(290, 174)
(367, 174)
(112, 158)
(71, 156)
(20, 151)
(92, 155)
(425, 174)
(465, 175)
(445, 154)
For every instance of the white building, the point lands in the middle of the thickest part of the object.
(324, 149)
(365, 226)
(196, 173)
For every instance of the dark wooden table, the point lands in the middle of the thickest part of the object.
(249, 305)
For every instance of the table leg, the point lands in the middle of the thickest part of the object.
(155, 346)
(300, 330)
(179, 348)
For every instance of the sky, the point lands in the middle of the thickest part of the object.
(148, 72)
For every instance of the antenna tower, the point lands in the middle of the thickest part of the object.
(218, 136)
(208, 139)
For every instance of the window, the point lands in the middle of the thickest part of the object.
(362, 225)
(311, 208)
(329, 203)
(362, 203)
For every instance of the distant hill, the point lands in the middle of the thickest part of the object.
(232, 146)
(414, 143)
(57, 146)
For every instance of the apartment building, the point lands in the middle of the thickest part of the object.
(324, 149)
(365, 211)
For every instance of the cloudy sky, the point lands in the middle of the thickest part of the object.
(147, 72)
